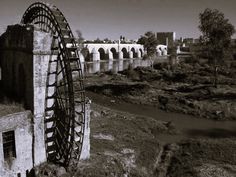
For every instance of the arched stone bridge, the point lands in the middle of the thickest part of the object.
(96, 52)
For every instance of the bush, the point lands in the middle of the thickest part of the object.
(160, 66)
(145, 57)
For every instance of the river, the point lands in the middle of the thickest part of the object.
(113, 65)
(116, 65)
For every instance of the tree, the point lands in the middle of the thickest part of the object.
(149, 42)
(97, 41)
(107, 41)
(80, 39)
(79, 36)
(216, 36)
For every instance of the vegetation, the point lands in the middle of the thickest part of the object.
(207, 157)
(150, 42)
(79, 36)
(216, 36)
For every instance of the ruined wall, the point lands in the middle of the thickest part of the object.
(16, 46)
(20, 123)
(28, 50)
(25, 53)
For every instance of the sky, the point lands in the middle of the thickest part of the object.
(129, 18)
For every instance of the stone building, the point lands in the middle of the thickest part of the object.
(166, 38)
(24, 60)
(16, 155)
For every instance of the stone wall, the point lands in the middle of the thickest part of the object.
(16, 46)
(25, 53)
(41, 56)
(24, 57)
(20, 123)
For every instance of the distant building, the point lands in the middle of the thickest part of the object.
(166, 38)
(196, 41)
(188, 41)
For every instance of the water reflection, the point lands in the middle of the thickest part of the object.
(122, 64)
(113, 65)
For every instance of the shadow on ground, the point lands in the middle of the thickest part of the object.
(212, 133)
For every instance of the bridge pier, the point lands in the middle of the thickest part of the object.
(96, 56)
(139, 54)
(131, 54)
(120, 55)
(81, 57)
(110, 54)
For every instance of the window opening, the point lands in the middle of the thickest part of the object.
(9, 148)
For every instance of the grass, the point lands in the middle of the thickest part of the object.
(193, 154)
(8, 106)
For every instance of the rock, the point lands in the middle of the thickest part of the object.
(95, 114)
(104, 113)
(163, 100)
(170, 125)
(112, 101)
(104, 137)
(61, 171)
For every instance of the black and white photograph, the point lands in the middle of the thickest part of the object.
(118, 88)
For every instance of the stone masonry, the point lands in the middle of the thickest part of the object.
(24, 60)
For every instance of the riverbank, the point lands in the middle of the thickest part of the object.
(126, 144)
(122, 144)
(185, 88)
(138, 128)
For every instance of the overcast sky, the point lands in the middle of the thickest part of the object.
(130, 18)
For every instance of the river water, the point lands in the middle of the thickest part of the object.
(113, 65)
(116, 65)
(188, 126)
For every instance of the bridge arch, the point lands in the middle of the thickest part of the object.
(114, 53)
(134, 51)
(125, 52)
(141, 52)
(102, 53)
(161, 50)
